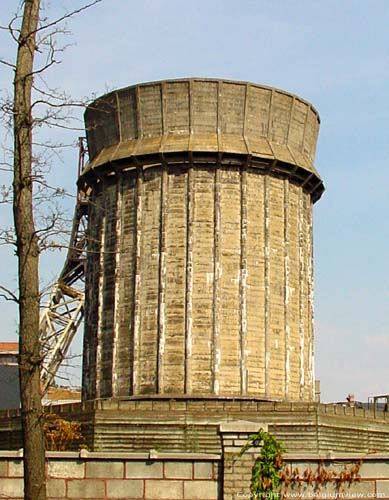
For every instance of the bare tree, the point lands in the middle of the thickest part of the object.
(32, 34)
(28, 255)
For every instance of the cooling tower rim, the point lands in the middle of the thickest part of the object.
(121, 134)
(309, 180)
(204, 79)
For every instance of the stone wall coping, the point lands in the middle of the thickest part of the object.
(242, 426)
(330, 455)
(156, 455)
(96, 455)
(330, 409)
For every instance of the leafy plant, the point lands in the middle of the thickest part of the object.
(265, 474)
(268, 472)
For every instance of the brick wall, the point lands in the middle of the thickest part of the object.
(237, 470)
(104, 476)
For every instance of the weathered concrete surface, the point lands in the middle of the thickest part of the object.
(188, 476)
(200, 282)
(142, 123)
(199, 276)
(192, 425)
(107, 476)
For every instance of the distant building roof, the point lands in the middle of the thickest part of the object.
(62, 395)
(9, 347)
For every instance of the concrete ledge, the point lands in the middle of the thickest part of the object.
(156, 455)
(242, 426)
(95, 455)
(335, 456)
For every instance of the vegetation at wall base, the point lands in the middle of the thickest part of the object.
(272, 479)
(265, 475)
(61, 434)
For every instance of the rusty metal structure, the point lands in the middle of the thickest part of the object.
(199, 275)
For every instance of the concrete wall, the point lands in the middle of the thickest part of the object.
(118, 476)
(200, 269)
(192, 425)
(159, 476)
(199, 281)
(204, 115)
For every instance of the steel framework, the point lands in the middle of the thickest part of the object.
(64, 311)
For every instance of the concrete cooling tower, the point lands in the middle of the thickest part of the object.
(199, 272)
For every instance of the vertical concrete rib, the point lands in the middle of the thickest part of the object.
(286, 288)
(301, 294)
(93, 275)
(162, 88)
(270, 117)
(137, 266)
(137, 280)
(267, 195)
(161, 320)
(288, 133)
(118, 116)
(243, 281)
(216, 250)
(139, 114)
(100, 309)
(305, 131)
(189, 253)
(216, 297)
(311, 335)
(161, 324)
(244, 259)
(116, 314)
(189, 282)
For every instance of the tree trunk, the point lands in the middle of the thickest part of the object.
(28, 255)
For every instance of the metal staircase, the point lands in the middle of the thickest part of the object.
(64, 312)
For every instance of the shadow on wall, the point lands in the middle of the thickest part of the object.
(9, 383)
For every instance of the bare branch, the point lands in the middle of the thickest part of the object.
(66, 16)
(47, 228)
(61, 105)
(11, 29)
(7, 236)
(50, 60)
(6, 63)
(57, 191)
(57, 125)
(5, 166)
(50, 93)
(5, 194)
(45, 67)
(8, 295)
(46, 39)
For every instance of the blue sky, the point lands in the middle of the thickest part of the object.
(335, 54)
